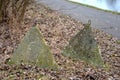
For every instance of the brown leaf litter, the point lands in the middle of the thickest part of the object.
(57, 30)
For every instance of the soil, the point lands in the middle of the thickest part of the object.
(57, 30)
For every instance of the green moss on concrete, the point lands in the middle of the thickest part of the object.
(83, 46)
(33, 50)
(118, 41)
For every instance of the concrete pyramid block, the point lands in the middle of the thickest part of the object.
(83, 46)
(33, 50)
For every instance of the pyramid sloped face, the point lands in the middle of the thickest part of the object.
(33, 50)
(83, 46)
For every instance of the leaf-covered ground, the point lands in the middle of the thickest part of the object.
(57, 30)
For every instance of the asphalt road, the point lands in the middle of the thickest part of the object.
(105, 21)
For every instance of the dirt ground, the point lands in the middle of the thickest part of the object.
(57, 30)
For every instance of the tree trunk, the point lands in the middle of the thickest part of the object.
(10, 9)
(4, 5)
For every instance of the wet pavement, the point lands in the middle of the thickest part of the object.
(105, 21)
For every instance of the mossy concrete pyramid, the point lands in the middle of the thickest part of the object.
(33, 50)
(83, 46)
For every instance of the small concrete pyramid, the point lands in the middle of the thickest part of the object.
(83, 46)
(33, 50)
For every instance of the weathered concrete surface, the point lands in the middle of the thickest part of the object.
(105, 21)
(83, 46)
(33, 50)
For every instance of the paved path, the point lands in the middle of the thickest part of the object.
(105, 21)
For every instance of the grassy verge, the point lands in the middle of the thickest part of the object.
(95, 7)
